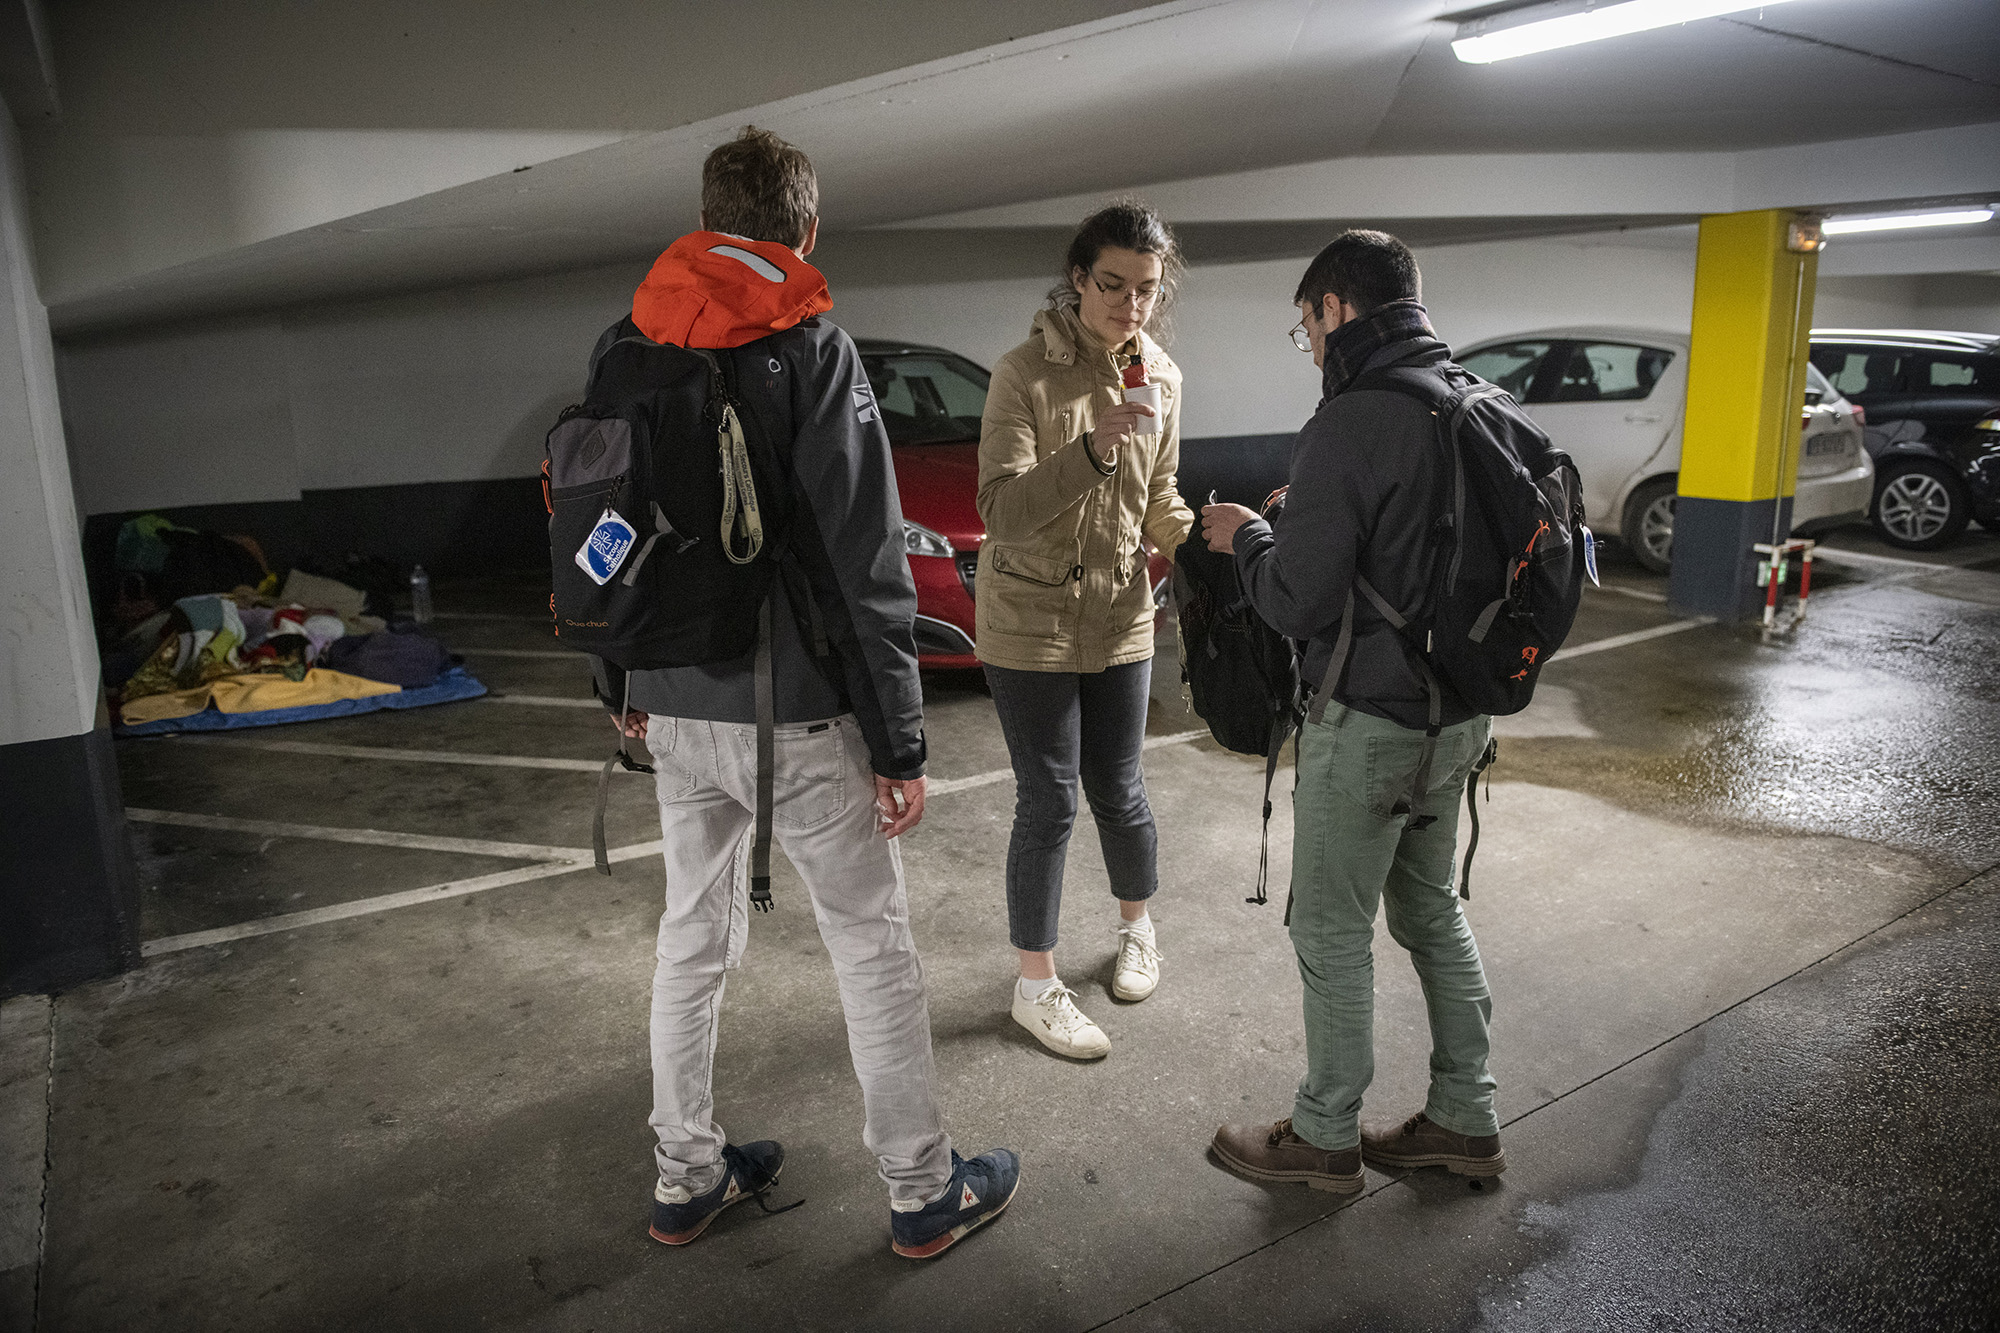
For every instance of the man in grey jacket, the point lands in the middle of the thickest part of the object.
(849, 747)
(1365, 491)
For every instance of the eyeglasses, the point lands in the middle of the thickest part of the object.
(1300, 338)
(1140, 298)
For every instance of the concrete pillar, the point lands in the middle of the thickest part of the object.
(1753, 299)
(68, 897)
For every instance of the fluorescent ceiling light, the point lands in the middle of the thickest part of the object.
(1481, 42)
(1956, 218)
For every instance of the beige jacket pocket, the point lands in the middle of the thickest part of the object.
(1043, 569)
(1028, 594)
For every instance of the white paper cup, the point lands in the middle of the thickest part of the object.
(1149, 394)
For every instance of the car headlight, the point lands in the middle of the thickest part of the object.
(1991, 423)
(920, 540)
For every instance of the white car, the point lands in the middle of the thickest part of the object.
(1613, 399)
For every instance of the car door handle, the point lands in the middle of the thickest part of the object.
(1642, 418)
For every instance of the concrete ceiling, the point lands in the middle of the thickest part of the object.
(257, 154)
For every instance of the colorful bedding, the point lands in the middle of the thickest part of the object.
(268, 700)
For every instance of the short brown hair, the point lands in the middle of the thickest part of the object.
(759, 186)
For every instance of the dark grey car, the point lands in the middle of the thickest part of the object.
(1933, 428)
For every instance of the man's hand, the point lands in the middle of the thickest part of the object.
(898, 804)
(634, 726)
(1219, 524)
(1116, 427)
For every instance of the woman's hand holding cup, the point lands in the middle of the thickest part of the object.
(1118, 425)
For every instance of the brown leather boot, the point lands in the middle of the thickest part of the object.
(1274, 1152)
(1420, 1141)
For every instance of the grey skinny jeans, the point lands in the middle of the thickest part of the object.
(1061, 726)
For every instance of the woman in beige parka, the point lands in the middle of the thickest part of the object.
(1073, 481)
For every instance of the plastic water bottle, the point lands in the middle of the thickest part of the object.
(420, 596)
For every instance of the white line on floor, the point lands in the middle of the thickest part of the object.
(945, 786)
(543, 701)
(404, 756)
(1834, 555)
(1622, 640)
(526, 851)
(388, 902)
(549, 654)
(1639, 593)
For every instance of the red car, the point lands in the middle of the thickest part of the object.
(931, 401)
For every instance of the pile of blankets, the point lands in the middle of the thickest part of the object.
(245, 658)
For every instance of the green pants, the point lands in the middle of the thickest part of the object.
(1349, 854)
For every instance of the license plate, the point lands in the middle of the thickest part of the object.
(1819, 446)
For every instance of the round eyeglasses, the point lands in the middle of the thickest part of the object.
(1139, 298)
(1300, 338)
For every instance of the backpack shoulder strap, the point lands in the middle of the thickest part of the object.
(1416, 382)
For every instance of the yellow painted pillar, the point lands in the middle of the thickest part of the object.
(1753, 299)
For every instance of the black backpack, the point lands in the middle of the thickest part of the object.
(662, 549)
(1507, 562)
(1242, 676)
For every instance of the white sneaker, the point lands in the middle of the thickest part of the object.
(1137, 970)
(1059, 1025)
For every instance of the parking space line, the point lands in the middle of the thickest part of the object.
(425, 842)
(1621, 591)
(945, 786)
(1835, 555)
(403, 756)
(388, 902)
(1623, 640)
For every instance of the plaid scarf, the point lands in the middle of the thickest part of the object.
(1349, 347)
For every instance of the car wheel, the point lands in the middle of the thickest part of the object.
(1649, 524)
(1919, 505)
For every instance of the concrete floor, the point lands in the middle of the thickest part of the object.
(1738, 903)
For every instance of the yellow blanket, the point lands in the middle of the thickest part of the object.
(254, 693)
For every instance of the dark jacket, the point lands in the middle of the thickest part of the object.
(1366, 485)
(804, 390)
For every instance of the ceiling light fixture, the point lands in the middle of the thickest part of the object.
(1549, 27)
(1955, 218)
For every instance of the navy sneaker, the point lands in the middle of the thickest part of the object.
(749, 1170)
(979, 1189)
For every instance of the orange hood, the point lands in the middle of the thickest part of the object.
(711, 289)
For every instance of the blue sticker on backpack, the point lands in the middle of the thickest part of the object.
(1590, 555)
(606, 547)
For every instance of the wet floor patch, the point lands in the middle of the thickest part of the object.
(1878, 720)
(1829, 1162)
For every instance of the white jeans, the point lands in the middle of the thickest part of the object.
(824, 821)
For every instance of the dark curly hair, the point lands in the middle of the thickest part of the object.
(1128, 225)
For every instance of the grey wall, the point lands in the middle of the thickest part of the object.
(48, 655)
(459, 385)
(68, 898)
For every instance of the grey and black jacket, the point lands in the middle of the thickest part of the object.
(804, 390)
(1367, 483)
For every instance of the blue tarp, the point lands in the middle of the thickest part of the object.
(455, 684)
